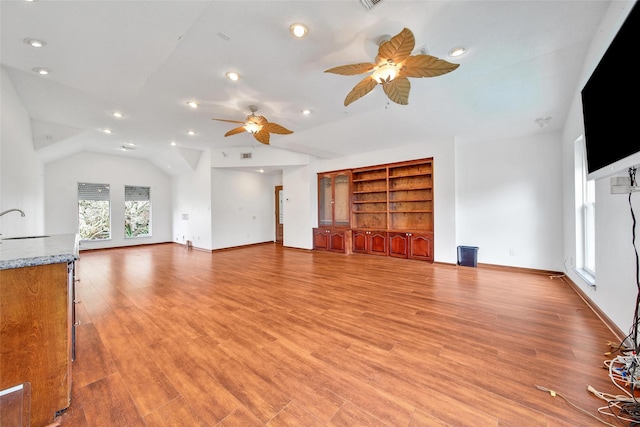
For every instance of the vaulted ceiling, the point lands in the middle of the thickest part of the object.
(147, 59)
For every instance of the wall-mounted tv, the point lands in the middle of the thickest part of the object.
(610, 113)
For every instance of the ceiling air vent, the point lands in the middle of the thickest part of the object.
(245, 155)
(368, 4)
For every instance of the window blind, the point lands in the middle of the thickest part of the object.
(137, 194)
(88, 191)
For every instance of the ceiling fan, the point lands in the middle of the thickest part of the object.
(392, 67)
(258, 126)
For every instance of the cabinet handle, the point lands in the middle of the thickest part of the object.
(76, 301)
(76, 280)
(77, 323)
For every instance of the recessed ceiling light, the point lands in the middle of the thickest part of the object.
(306, 111)
(35, 42)
(457, 51)
(233, 76)
(117, 114)
(106, 130)
(190, 132)
(298, 30)
(129, 145)
(192, 104)
(42, 71)
(173, 143)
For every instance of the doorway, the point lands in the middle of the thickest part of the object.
(279, 214)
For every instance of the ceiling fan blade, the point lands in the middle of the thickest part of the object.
(235, 131)
(262, 136)
(426, 66)
(398, 48)
(228, 121)
(276, 128)
(398, 90)
(352, 69)
(361, 89)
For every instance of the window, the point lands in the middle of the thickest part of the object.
(137, 211)
(585, 217)
(589, 250)
(94, 214)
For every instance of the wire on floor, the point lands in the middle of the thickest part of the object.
(554, 394)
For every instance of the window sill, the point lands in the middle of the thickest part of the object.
(588, 278)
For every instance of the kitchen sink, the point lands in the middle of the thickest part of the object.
(24, 237)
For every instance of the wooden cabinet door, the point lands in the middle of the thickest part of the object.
(337, 241)
(398, 246)
(320, 239)
(421, 246)
(377, 243)
(360, 241)
(334, 192)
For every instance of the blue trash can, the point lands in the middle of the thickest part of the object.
(468, 256)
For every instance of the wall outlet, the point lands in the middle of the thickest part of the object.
(622, 185)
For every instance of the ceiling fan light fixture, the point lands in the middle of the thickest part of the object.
(457, 51)
(385, 73)
(298, 30)
(252, 127)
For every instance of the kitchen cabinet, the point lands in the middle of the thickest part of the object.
(37, 325)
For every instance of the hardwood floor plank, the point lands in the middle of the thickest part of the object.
(266, 335)
(92, 359)
(107, 403)
(208, 400)
(176, 413)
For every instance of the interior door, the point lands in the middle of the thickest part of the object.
(279, 214)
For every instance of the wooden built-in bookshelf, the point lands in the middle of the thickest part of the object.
(391, 209)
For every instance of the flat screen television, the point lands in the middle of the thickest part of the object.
(610, 114)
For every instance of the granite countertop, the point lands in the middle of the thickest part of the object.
(39, 250)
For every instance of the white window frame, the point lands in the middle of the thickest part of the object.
(585, 216)
(136, 193)
(95, 192)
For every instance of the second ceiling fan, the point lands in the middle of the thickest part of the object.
(258, 126)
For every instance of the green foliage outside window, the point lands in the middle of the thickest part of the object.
(137, 214)
(94, 220)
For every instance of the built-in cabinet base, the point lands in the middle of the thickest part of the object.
(332, 239)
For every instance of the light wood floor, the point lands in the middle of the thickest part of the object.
(266, 335)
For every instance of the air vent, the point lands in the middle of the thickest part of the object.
(245, 155)
(368, 4)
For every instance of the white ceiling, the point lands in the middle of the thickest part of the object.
(148, 58)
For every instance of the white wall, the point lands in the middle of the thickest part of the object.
(509, 196)
(61, 195)
(21, 171)
(299, 185)
(192, 197)
(616, 289)
(243, 208)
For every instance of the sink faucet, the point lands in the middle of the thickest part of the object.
(11, 210)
